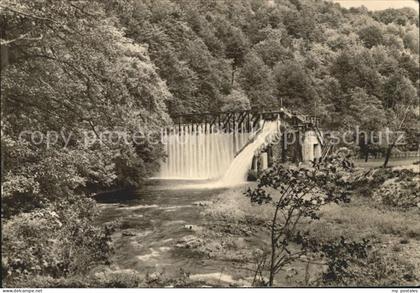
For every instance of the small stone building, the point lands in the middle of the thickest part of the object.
(311, 147)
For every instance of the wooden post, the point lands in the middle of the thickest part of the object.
(283, 147)
(270, 155)
(299, 156)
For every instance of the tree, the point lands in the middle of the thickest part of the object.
(301, 24)
(70, 76)
(355, 67)
(257, 82)
(196, 78)
(364, 115)
(294, 86)
(106, 75)
(391, 15)
(371, 36)
(235, 43)
(296, 194)
(235, 101)
(398, 16)
(400, 100)
(403, 117)
(271, 49)
(411, 40)
(398, 89)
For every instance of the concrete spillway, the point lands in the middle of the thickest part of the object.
(238, 169)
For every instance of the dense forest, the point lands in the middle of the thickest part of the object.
(78, 67)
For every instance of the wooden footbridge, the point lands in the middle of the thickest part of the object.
(247, 119)
(211, 141)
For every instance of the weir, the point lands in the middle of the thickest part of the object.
(222, 145)
(201, 151)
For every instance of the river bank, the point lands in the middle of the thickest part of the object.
(157, 233)
(212, 237)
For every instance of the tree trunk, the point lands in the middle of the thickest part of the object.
(273, 247)
(4, 49)
(388, 154)
(233, 75)
(283, 148)
(4, 56)
(299, 148)
(389, 150)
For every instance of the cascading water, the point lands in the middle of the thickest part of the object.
(200, 151)
(238, 169)
(211, 155)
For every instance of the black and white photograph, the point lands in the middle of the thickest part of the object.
(210, 144)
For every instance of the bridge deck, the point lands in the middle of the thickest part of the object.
(228, 120)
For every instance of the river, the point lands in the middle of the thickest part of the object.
(154, 223)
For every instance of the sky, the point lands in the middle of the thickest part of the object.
(379, 4)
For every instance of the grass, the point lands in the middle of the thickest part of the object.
(394, 234)
(359, 219)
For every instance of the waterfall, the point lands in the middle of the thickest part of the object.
(211, 155)
(200, 151)
(238, 169)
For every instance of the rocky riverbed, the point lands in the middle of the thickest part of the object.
(159, 233)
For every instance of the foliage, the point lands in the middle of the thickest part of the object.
(257, 81)
(371, 36)
(68, 69)
(82, 68)
(235, 101)
(362, 218)
(401, 192)
(111, 85)
(300, 193)
(57, 241)
(341, 257)
(124, 279)
(275, 52)
(366, 269)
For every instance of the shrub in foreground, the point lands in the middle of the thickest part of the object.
(58, 241)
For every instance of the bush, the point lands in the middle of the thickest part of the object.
(399, 188)
(376, 269)
(58, 241)
(372, 183)
(302, 193)
(119, 279)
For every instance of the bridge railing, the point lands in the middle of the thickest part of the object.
(239, 116)
(245, 119)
